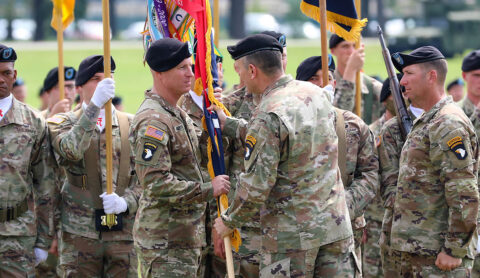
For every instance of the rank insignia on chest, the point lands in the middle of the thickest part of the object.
(148, 150)
(457, 147)
(249, 145)
(154, 133)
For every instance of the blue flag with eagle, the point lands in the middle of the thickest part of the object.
(341, 17)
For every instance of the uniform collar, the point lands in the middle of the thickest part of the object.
(102, 113)
(427, 116)
(12, 117)
(164, 103)
(282, 81)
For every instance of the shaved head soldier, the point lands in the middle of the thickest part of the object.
(293, 119)
(436, 199)
(26, 180)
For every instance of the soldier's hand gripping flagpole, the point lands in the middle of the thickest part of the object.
(111, 221)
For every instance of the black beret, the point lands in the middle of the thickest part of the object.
(420, 55)
(89, 66)
(471, 61)
(386, 92)
(167, 53)
(311, 65)
(334, 41)
(7, 54)
(18, 82)
(281, 38)
(52, 77)
(252, 44)
(457, 81)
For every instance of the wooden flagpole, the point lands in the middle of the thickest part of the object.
(323, 40)
(61, 69)
(226, 240)
(358, 80)
(108, 106)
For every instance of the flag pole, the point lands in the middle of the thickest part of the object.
(216, 22)
(226, 240)
(61, 69)
(323, 40)
(358, 80)
(108, 106)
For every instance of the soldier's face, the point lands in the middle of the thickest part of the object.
(178, 80)
(54, 93)
(20, 93)
(414, 80)
(8, 75)
(343, 51)
(86, 90)
(472, 78)
(317, 79)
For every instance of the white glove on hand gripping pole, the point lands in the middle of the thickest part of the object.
(105, 91)
(113, 204)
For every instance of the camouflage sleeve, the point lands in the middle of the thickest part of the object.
(345, 95)
(43, 189)
(72, 142)
(235, 128)
(453, 153)
(364, 186)
(155, 175)
(389, 156)
(266, 136)
(134, 190)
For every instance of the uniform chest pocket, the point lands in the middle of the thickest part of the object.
(17, 149)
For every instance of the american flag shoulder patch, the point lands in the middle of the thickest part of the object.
(154, 133)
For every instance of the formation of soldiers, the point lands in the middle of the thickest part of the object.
(315, 190)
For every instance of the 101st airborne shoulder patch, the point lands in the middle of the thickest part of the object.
(154, 133)
(249, 145)
(457, 147)
(148, 151)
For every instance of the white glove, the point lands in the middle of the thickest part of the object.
(40, 255)
(113, 204)
(330, 91)
(105, 90)
(478, 245)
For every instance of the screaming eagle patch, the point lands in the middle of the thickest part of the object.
(457, 147)
(249, 145)
(148, 151)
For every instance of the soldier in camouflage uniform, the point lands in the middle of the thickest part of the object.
(50, 86)
(26, 180)
(350, 61)
(436, 199)
(169, 230)
(87, 248)
(358, 161)
(300, 235)
(471, 74)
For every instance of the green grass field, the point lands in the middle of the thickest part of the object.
(133, 78)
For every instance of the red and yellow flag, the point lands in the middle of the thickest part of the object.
(66, 7)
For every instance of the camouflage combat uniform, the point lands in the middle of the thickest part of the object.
(362, 178)
(372, 109)
(292, 178)
(436, 198)
(26, 183)
(169, 230)
(371, 261)
(83, 250)
(467, 106)
(241, 105)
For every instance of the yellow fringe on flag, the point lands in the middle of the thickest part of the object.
(333, 21)
(198, 89)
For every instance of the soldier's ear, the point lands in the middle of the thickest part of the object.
(252, 71)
